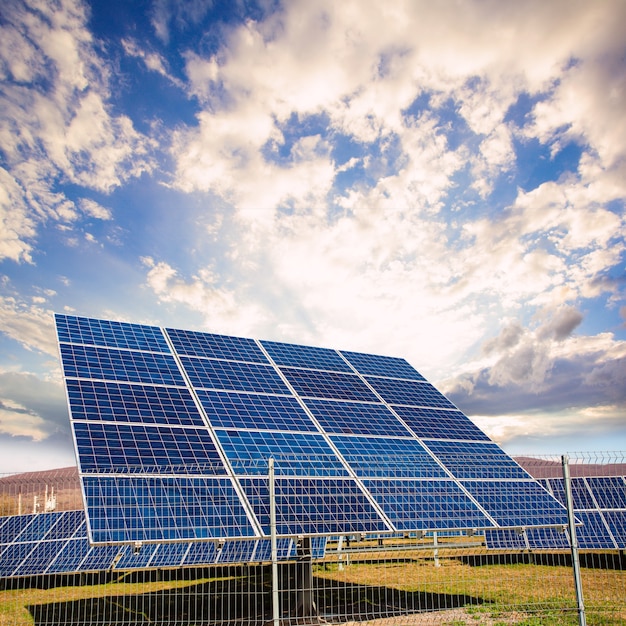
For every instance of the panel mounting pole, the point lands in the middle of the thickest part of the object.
(274, 545)
(582, 620)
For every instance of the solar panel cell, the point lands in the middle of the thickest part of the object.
(229, 376)
(240, 410)
(377, 456)
(432, 423)
(418, 505)
(138, 508)
(608, 491)
(517, 503)
(305, 356)
(110, 446)
(120, 365)
(191, 343)
(356, 418)
(308, 506)
(476, 460)
(374, 365)
(313, 384)
(110, 334)
(409, 392)
(122, 402)
(302, 454)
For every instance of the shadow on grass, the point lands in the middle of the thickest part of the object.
(242, 596)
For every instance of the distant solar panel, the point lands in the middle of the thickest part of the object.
(174, 430)
(599, 505)
(55, 543)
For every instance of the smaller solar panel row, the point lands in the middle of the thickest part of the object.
(55, 543)
(599, 505)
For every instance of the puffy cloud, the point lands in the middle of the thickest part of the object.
(56, 125)
(31, 407)
(29, 325)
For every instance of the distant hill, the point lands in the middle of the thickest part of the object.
(542, 468)
(31, 492)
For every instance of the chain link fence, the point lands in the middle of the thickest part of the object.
(531, 575)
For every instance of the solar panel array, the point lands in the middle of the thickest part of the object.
(599, 504)
(57, 543)
(174, 429)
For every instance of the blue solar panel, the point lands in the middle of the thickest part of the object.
(123, 402)
(555, 538)
(13, 526)
(38, 528)
(131, 558)
(13, 556)
(616, 521)
(202, 553)
(581, 497)
(378, 456)
(169, 554)
(68, 524)
(517, 503)
(106, 447)
(305, 356)
(594, 532)
(230, 376)
(432, 423)
(356, 418)
(160, 438)
(313, 384)
(39, 558)
(309, 506)
(426, 504)
(608, 491)
(303, 454)
(286, 549)
(373, 365)
(191, 343)
(506, 539)
(237, 552)
(153, 508)
(70, 556)
(240, 410)
(476, 460)
(99, 558)
(409, 392)
(110, 334)
(120, 365)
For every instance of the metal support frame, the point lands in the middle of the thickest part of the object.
(571, 520)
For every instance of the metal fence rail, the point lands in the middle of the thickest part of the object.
(49, 574)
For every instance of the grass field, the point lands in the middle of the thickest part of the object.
(383, 591)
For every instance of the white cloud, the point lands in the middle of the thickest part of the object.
(29, 325)
(56, 124)
(152, 60)
(94, 209)
(15, 420)
(18, 227)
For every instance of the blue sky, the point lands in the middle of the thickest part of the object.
(440, 181)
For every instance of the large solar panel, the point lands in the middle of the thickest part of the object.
(174, 430)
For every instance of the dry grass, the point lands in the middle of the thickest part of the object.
(493, 594)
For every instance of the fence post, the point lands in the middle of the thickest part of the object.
(582, 620)
(274, 545)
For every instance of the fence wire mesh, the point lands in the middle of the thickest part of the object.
(50, 573)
